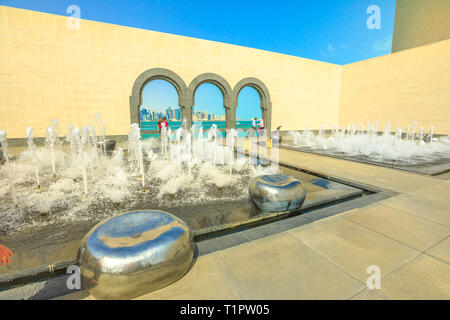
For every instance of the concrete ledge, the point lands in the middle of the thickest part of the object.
(40, 141)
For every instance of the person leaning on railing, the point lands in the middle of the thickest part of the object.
(5, 255)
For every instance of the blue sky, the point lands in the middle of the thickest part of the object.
(333, 31)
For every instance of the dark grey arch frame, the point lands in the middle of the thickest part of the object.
(146, 77)
(186, 95)
(217, 80)
(265, 102)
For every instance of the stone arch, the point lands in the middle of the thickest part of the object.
(265, 102)
(215, 79)
(146, 77)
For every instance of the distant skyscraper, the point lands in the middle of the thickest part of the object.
(178, 114)
(174, 114)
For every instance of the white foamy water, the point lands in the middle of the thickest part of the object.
(414, 146)
(45, 184)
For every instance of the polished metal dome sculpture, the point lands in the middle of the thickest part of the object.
(277, 193)
(135, 253)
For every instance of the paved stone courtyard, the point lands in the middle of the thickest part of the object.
(397, 222)
(406, 235)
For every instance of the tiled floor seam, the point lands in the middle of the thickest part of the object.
(413, 215)
(359, 292)
(387, 236)
(388, 275)
(374, 290)
(383, 277)
(250, 240)
(332, 262)
(426, 199)
(434, 245)
(438, 184)
(289, 228)
(430, 255)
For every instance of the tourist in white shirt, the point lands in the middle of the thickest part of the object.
(261, 127)
(254, 124)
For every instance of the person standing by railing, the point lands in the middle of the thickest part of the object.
(261, 127)
(165, 123)
(159, 125)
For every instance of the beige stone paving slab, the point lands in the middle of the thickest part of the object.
(205, 281)
(353, 247)
(368, 294)
(439, 192)
(302, 159)
(320, 265)
(434, 211)
(442, 184)
(423, 278)
(441, 251)
(446, 184)
(386, 178)
(401, 182)
(328, 165)
(343, 173)
(281, 267)
(416, 232)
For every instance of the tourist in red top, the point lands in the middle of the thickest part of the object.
(166, 124)
(5, 253)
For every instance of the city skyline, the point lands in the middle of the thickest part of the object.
(158, 94)
(174, 114)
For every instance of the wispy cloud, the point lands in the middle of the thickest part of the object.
(329, 52)
(382, 44)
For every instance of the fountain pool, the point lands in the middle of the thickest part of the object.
(51, 195)
(412, 149)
